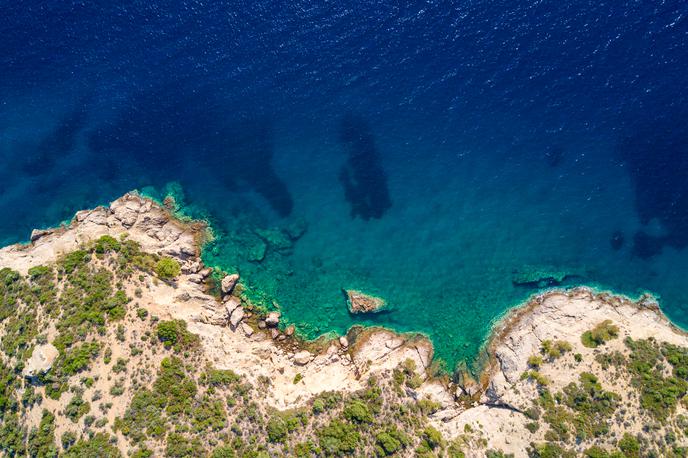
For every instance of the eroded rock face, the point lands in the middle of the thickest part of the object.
(41, 360)
(363, 303)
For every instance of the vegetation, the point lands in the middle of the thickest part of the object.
(167, 268)
(600, 334)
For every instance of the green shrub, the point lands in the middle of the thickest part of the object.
(535, 361)
(223, 451)
(106, 243)
(277, 429)
(629, 445)
(167, 268)
(77, 408)
(358, 412)
(600, 334)
(73, 260)
(391, 441)
(179, 446)
(554, 349)
(339, 438)
(174, 334)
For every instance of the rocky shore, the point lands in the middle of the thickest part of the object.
(534, 349)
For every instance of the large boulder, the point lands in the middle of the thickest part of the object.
(41, 360)
(302, 358)
(236, 317)
(228, 283)
(363, 303)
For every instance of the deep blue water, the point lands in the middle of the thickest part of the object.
(433, 151)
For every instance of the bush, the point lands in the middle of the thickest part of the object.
(174, 334)
(554, 350)
(535, 362)
(600, 334)
(358, 412)
(391, 441)
(339, 438)
(167, 268)
(629, 445)
(107, 243)
(277, 429)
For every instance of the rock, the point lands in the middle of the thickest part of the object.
(183, 297)
(272, 319)
(274, 333)
(262, 325)
(343, 341)
(194, 278)
(205, 272)
(362, 303)
(41, 360)
(302, 358)
(248, 330)
(281, 338)
(236, 316)
(38, 233)
(231, 305)
(228, 283)
(290, 330)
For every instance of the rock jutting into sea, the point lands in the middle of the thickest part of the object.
(359, 302)
(153, 361)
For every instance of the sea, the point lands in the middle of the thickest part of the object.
(451, 157)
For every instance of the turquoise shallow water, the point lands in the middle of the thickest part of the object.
(437, 155)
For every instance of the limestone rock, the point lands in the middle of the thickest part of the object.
(41, 360)
(248, 330)
(289, 331)
(231, 305)
(302, 358)
(343, 341)
(236, 316)
(272, 320)
(362, 303)
(229, 282)
(39, 233)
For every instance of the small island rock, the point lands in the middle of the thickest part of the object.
(363, 303)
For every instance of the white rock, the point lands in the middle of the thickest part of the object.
(236, 316)
(231, 305)
(41, 360)
(228, 283)
(248, 330)
(343, 341)
(302, 358)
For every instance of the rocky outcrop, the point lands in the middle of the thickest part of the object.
(362, 303)
(41, 360)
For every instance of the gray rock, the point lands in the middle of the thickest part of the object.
(289, 331)
(41, 360)
(262, 325)
(229, 282)
(343, 341)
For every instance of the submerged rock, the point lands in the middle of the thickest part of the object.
(362, 303)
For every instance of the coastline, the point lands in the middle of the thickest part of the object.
(480, 367)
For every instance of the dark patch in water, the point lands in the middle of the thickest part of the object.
(617, 240)
(57, 144)
(165, 133)
(656, 155)
(362, 176)
(554, 156)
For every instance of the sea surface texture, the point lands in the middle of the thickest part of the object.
(451, 157)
